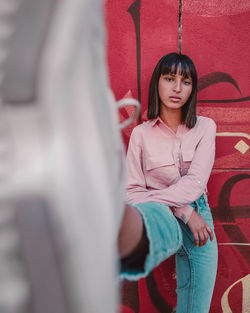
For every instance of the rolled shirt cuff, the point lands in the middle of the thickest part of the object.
(183, 213)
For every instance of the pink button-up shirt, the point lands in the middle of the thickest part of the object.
(170, 168)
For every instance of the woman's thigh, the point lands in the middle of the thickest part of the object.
(164, 238)
(196, 268)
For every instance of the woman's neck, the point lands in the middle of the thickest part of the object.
(172, 118)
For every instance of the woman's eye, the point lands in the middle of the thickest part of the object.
(187, 82)
(168, 79)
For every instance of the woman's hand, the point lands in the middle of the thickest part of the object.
(200, 229)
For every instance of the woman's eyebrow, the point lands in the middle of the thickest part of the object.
(185, 76)
(174, 74)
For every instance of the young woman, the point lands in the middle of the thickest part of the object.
(169, 160)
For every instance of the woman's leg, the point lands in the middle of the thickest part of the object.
(163, 236)
(196, 268)
(131, 231)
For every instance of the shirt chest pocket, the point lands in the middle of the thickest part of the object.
(161, 170)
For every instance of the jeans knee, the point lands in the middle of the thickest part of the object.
(183, 269)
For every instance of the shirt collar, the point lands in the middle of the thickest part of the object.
(182, 129)
(155, 120)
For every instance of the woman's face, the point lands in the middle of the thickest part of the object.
(174, 90)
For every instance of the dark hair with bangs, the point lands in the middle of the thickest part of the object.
(170, 64)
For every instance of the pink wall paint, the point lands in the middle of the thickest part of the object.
(215, 36)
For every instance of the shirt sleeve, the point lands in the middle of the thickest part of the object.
(189, 187)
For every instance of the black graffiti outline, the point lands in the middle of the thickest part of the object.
(216, 78)
(130, 289)
(155, 296)
(134, 11)
(232, 230)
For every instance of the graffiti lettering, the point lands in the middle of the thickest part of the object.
(245, 281)
(215, 78)
(226, 215)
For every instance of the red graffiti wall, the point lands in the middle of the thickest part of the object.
(215, 35)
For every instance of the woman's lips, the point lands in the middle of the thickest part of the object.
(175, 99)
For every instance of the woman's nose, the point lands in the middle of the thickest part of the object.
(177, 85)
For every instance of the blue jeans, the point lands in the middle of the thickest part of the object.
(196, 266)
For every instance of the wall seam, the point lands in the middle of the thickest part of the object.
(180, 26)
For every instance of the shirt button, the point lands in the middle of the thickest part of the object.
(198, 181)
